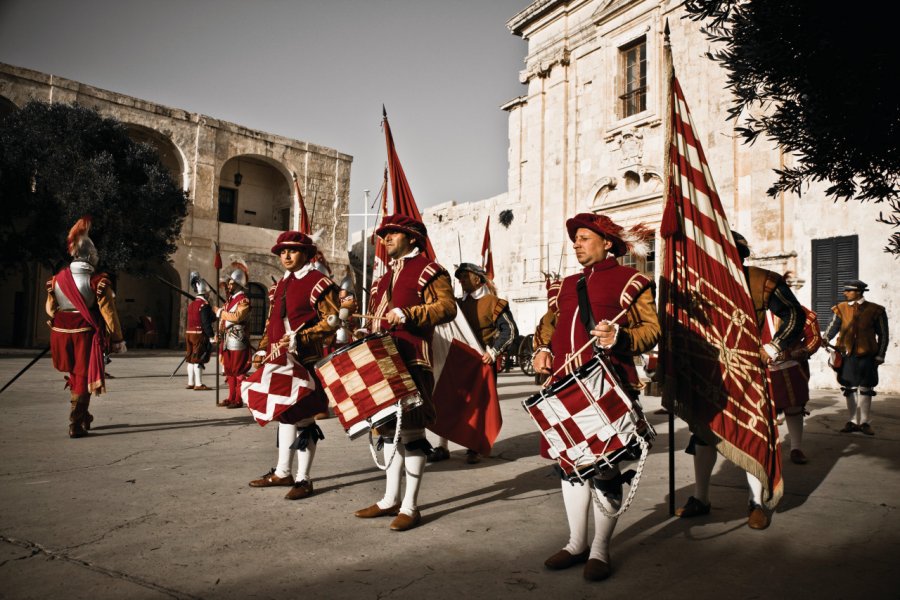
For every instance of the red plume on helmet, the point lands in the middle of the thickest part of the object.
(79, 231)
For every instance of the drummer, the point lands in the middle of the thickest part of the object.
(413, 297)
(299, 306)
(608, 288)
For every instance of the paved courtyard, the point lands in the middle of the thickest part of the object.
(155, 504)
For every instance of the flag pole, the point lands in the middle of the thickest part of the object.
(667, 176)
(218, 264)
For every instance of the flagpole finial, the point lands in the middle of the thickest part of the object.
(666, 32)
(383, 111)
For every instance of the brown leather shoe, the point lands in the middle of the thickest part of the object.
(757, 517)
(270, 479)
(693, 508)
(597, 570)
(404, 522)
(797, 457)
(202, 388)
(370, 512)
(867, 429)
(188, 387)
(564, 560)
(235, 405)
(301, 489)
(472, 457)
(850, 427)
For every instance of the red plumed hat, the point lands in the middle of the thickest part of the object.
(634, 240)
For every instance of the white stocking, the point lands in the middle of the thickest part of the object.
(414, 462)
(198, 374)
(190, 372)
(851, 406)
(704, 460)
(795, 429)
(304, 461)
(392, 475)
(603, 525)
(865, 405)
(287, 433)
(756, 488)
(577, 500)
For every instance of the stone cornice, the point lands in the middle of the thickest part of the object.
(529, 14)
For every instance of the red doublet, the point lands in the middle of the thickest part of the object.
(413, 342)
(193, 316)
(296, 300)
(611, 288)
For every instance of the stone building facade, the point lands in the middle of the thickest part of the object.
(589, 134)
(240, 185)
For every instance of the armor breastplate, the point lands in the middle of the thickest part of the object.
(83, 282)
(235, 336)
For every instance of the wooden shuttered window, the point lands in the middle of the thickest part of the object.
(259, 308)
(835, 261)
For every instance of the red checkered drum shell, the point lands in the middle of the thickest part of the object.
(589, 421)
(365, 381)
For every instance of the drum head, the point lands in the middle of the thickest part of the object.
(350, 347)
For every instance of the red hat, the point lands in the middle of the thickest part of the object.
(294, 240)
(634, 240)
(403, 224)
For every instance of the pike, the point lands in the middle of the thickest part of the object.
(178, 367)
(177, 289)
(28, 366)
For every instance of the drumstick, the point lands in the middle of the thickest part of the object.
(360, 316)
(583, 348)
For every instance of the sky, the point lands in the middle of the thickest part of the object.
(313, 70)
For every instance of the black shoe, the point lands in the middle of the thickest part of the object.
(866, 429)
(693, 508)
(850, 427)
(440, 453)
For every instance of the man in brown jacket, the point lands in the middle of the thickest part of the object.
(862, 330)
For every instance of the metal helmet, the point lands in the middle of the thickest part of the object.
(347, 284)
(238, 277)
(81, 247)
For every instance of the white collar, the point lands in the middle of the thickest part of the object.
(478, 294)
(858, 301)
(299, 273)
(399, 261)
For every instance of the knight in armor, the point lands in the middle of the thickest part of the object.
(411, 299)
(769, 292)
(491, 321)
(862, 330)
(199, 335)
(303, 313)
(84, 325)
(233, 319)
(591, 305)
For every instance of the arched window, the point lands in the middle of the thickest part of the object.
(259, 307)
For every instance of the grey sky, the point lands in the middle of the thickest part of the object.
(318, 71)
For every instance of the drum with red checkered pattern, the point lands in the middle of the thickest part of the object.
(588, 420)
(366, 381)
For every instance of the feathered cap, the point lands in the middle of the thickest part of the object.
(635, 240)
(81, 247)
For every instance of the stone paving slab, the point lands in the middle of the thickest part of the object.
(155, 504)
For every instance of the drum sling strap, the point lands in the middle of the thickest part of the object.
(584, 306)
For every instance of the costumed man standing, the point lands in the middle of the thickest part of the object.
(606, 288)
(235, 349)
(862, 330)
(490, 320)
(411, 299)
(84, 324)
(303, 309)
(199, 334)
(769, 292)
(788, 375)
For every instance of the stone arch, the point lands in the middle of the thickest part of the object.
(601, 189)
(140, 297)
(169, 153)
(7, 106)
(257, 191)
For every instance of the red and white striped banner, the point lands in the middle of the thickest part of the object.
(709, 353)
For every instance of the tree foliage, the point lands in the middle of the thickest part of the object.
(60, 162)
(820, 82)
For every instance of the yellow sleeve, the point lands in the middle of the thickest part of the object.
(439, 306)
(643, 331)
(328, 304)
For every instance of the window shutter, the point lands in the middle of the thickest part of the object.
(835, 262)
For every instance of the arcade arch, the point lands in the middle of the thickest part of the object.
(255, 191)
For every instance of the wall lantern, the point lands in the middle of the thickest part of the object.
(238, 178)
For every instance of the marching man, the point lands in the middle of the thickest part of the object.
(84, 324)
(604, 289)
(235, 353)
(199, 335)
(300, 305)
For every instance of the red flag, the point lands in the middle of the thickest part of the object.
(473, 419)
(217, 263)
(305, 225)
(709, 353)
(487, 258)
(404, 203)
